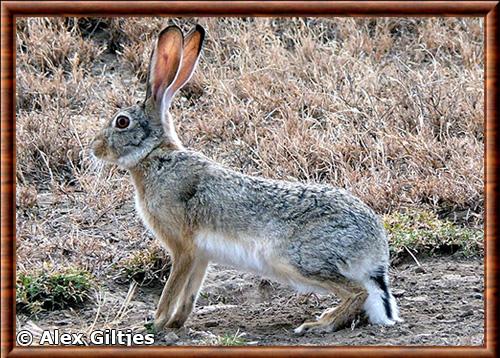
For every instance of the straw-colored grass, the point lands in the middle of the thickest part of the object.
(389, 108)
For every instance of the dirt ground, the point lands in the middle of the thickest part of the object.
(441, 302)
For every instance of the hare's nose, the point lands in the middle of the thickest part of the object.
(98, 146)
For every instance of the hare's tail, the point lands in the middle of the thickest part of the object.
(380, 306)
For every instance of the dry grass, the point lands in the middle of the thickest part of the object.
(389, 108)
(146, 267)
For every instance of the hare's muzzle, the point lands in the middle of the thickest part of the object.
(99, 146)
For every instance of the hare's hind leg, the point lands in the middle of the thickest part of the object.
(353, 297)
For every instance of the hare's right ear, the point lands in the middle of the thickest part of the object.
(193, 43)
(164, 66)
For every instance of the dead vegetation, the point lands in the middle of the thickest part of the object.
(150, 266)
(389, 108)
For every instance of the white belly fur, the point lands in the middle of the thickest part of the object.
(247, 254)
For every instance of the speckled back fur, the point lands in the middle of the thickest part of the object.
(320, 229)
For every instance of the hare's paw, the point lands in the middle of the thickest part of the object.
(313, 326)
(301, 330)
(175, 323)
(160, 322)
(331, 320)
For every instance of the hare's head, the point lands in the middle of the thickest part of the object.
(135, 131)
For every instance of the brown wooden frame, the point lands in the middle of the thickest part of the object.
(11, 9)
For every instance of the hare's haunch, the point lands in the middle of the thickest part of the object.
(313, 237)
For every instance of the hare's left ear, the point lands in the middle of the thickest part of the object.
(164, 66)
(193, 43)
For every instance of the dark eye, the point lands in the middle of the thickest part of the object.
(122, 122)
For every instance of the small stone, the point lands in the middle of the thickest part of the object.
(418, 299)
(419, 269)
(452, 277)
(439, 316)
(467, 313)
(62, 322)
(211, 324)
(398, 293)
(171, 338)
(477, 296)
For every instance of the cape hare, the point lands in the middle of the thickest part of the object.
(313, 237)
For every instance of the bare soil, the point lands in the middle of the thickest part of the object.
(441, 302)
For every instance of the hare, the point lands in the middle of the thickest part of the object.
(313, 237)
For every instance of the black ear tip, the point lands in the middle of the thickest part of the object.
(200, 29)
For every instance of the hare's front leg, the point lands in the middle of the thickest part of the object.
(190, 294)
(182, 266)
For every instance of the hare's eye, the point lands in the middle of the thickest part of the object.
(122, 122)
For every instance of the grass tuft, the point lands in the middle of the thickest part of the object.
(424, 232)
(231, 340)
(147, 267)
(39, 290)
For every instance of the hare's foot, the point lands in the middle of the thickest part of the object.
(159, 323)
(334, 319)
(177, 321)
(181, 315)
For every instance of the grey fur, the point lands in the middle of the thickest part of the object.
(320, 228)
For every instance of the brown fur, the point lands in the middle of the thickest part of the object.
(332, 319)
(190, 293)
(178, 289)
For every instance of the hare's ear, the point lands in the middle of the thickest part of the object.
(164, 66)
(193, 43)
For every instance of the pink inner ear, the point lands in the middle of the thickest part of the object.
(165, 62)
(160, 76)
